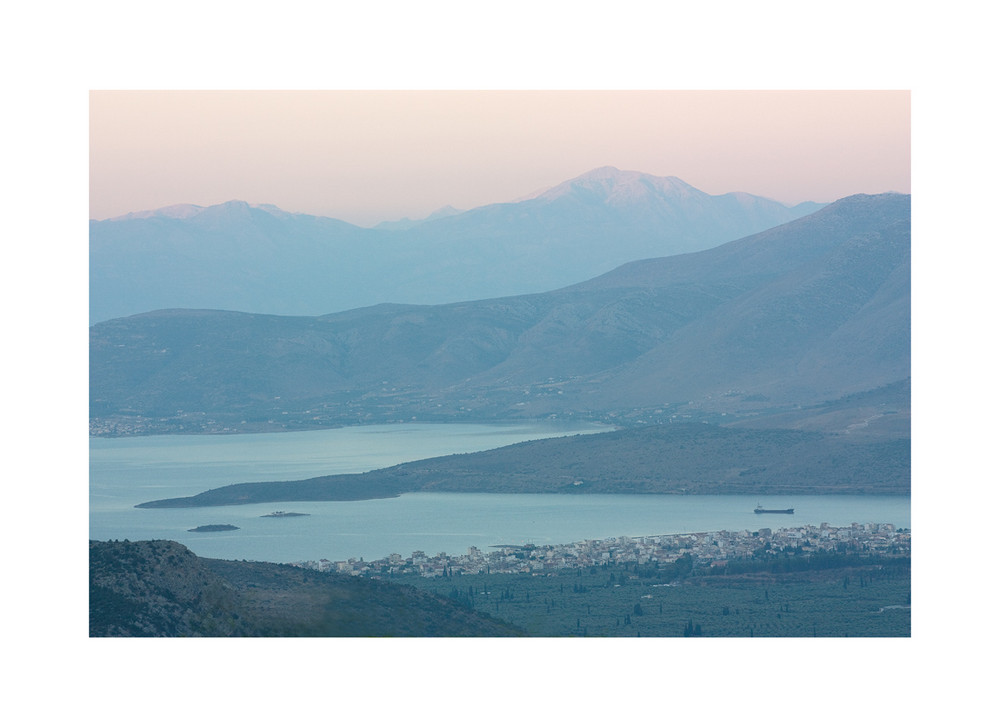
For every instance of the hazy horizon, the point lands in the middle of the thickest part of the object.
(371, 156)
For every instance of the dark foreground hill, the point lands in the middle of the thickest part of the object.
(160, 588)
(811, 311)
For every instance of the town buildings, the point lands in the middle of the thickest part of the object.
(705, 549)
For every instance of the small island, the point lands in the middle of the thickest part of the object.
(282, 513)
(212, 528)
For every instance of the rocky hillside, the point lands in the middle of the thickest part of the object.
(160, 588)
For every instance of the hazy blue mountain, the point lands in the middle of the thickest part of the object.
(406, 223)
(823, 310)
(258, 258)
(808, 312)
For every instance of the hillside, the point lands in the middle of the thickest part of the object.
(258, 258)
(812, 311)
(698, 459)
(160, 588)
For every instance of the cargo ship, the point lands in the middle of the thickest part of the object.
(758, 510)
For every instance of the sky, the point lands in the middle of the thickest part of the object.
(369, 156)
(62, 167)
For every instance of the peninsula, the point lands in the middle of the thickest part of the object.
(696, 459)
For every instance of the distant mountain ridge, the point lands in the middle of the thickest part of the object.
(406, 223)
(808, 312)
(258, 258)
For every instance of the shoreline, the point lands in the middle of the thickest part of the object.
(712, 549)
(278, 429)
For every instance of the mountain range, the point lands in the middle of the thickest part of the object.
(261, 259)
(775, 325)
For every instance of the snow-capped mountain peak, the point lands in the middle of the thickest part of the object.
(174, 211)
(613, 185)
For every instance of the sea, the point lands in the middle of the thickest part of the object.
(127, 471)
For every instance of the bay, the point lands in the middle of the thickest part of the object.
(127, 471)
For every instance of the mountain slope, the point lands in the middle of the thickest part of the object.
(257, 258)
(160, 588)
(832, 318)
(810, 311)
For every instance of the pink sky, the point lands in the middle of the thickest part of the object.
(368, 156)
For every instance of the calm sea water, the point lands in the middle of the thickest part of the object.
(124, 472)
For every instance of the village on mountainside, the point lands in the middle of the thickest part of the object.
(707, 550)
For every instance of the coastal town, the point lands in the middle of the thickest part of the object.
(706, 550)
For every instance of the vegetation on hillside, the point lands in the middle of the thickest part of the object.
(667, 459)
(160, 588)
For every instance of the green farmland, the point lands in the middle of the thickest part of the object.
(857, 600)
